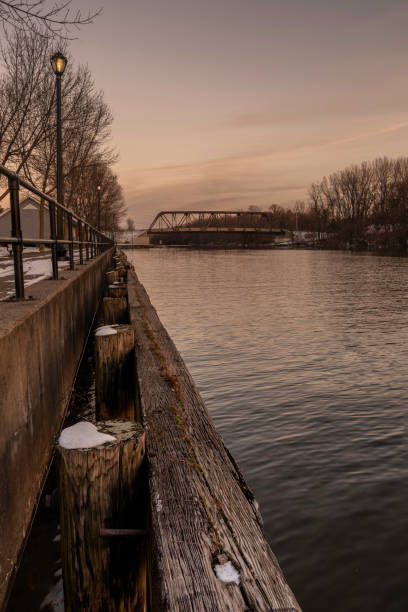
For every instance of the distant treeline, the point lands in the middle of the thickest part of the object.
(362, 207)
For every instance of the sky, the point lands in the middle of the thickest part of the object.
(223, 104)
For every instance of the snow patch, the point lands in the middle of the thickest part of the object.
(83, 435)
(227, 573)
(105, 330)
(159, 505)
(55, 598)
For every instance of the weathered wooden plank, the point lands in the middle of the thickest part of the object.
(202, 512)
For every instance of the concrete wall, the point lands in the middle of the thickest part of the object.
(41, 342)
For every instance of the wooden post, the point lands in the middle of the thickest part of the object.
(115, 310)
(101, 488)
(115, 394)
(122, 272)
(112, 276)
(118, 290)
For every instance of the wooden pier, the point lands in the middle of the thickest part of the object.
(171, 526)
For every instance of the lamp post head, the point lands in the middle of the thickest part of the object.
(58, 63)
(98, 187)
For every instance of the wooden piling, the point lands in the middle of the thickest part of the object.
(115, 394)
(101, 489)
(115, 310)
(112, 276)
(118, 290)
(122, 272)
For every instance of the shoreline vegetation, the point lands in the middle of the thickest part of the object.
(360, 208)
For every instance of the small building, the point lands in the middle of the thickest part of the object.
(29, 218)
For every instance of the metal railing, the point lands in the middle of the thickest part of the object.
(87, 237)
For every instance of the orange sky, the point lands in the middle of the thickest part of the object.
(227, 103)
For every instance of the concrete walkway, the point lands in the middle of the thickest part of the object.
(37, 267)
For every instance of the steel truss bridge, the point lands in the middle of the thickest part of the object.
(213, 221)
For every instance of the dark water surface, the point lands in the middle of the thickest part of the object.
(301, 357)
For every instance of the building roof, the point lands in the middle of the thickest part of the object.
(26, 204)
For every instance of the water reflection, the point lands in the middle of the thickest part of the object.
(301, 358)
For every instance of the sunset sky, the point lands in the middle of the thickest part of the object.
(226, 103)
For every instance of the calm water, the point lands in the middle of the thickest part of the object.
(302, 360)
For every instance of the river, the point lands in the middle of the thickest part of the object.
(301, 357)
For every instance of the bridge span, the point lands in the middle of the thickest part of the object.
(215, 228)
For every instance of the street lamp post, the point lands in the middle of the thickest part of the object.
(58, 63)
(99, 207)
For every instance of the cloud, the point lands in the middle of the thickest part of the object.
(280, 176)
(339, 108)
(216, 184)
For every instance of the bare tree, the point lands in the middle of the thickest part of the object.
(44, 18)
(85, 197)
(364, 204)
(26, 96)
(130, 224)
(28, 126)
(277, 215)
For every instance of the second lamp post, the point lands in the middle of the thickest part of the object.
(99, 207)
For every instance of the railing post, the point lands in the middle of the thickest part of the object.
(86, 240)
(80, 237)
(71, 243)
(53, 236)
(16, 233)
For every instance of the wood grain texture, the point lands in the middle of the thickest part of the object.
(101, 487)
(114, 366)
(122, 272)
(115, 310)
(117, 291)
(201, 508)
(112, 276)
